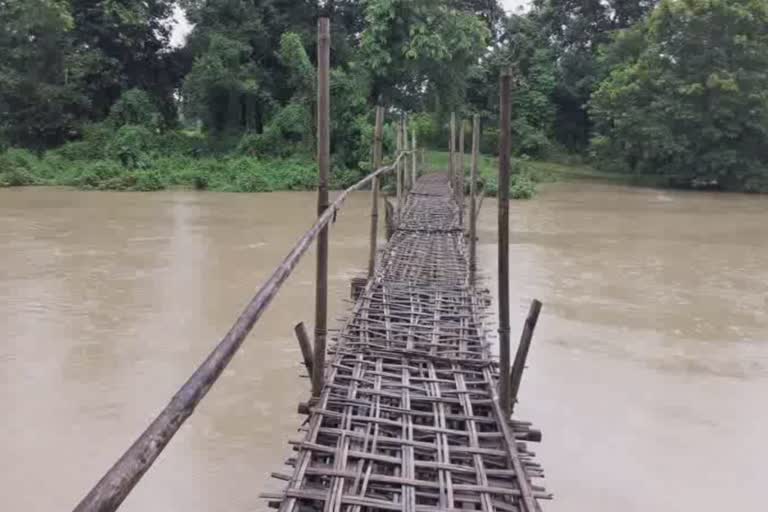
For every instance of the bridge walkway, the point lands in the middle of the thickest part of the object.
(409, 418)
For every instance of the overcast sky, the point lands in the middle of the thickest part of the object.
(181, 26)
(512, 5)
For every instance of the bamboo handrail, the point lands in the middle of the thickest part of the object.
(122, 477)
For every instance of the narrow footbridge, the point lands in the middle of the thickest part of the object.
(409, 410)
(410, 418)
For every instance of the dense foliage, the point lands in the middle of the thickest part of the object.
(93, 95)
(688, 100)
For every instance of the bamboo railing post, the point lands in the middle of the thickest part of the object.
(473, 198)
(460, 174)
(452, 151)
(324, 164)
(377, 141)
(503, 226)
(415, 157)
(406, 142)
(399, 170)
(518, 368)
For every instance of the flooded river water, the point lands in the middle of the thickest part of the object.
(648, 374)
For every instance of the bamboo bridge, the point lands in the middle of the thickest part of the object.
(410, 418)
(409, 409)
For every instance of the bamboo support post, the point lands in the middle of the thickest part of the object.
(460, 173)
(415, 158)
(305, 344)
(452, 151)
(399, 170)
(377, 155)
(503, 228)
(323, 161)
(518, 368)
(473, 198)
(406, 148)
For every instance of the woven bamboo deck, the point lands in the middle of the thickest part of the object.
(409, 418)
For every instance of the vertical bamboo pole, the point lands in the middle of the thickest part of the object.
(399, 169)
(377, 140)
(460, 173)
(415, 157)
(406, 181)
(522, 351)
(452, 150)
(473, 198)
(503, 200)
(324, 164)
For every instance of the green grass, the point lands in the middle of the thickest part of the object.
(540, 171)
(157, 172)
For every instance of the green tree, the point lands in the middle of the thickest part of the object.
(576, 30)
(691, 105)
(523, 50)
(413, 47)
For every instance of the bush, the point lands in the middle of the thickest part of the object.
(148, 181)
(246, 176)
(130, 145)
(19, 167)
(521, 183)
(94, 174)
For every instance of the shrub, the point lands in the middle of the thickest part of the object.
(521, 183)
(246, 176)
(19, 167)
(94, 174)
(148, 181)
(130, 145)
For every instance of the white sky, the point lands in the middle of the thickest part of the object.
(181, 27)
(513, 5)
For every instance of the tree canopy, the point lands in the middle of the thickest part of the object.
(688, 100)
(671, 88)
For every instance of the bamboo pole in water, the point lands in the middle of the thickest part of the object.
(522, 351)
(473, 198)
(324, 164)
(503, 227)
(377, 155)
(305, 344)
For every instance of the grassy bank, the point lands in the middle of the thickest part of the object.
(527, 174)
(135, 160)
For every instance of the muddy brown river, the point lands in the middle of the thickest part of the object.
(648, 374)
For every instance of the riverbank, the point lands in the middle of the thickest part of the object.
(236, 173)
(567, 169)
